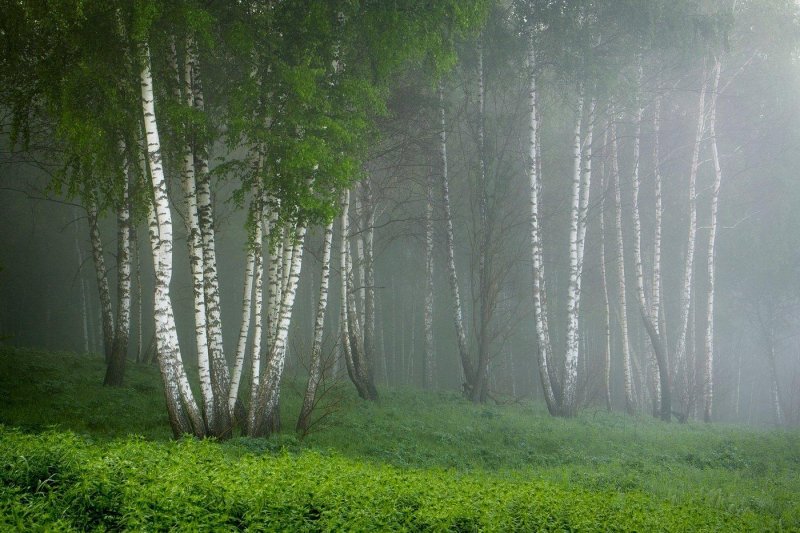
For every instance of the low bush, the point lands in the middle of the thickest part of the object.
(60, 481)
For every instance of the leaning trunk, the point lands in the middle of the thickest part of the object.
(466, 364)
(184, 414)
(315, 367)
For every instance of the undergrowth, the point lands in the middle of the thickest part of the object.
(413, 461)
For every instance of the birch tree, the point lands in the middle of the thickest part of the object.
(680, 359)
(315, 366)
(708, 360)
(115, 372)
(185, 416)
(627, 368)
(458, 314)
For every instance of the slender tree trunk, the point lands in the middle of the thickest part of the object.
(247, 292)
(361, 362)
(681, 365)
(139, 304)
(315, 368)
(84, 303)
(115, 371)
(630, 402)
(185, 417)
(649, 312)
(539, 298)
(606, 298)
(480, 385)
(370, 346)
(106, 311)
(267, 418)
(708, 377)
(429, 346)
(220, 376)
(344, 319)
(773, 370)
(568, 401)
(466, 364)
(259, 321)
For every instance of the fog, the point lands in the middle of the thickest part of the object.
(49, 291)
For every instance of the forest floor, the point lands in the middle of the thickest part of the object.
(76, 455)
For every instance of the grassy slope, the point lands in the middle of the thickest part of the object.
(432, 456)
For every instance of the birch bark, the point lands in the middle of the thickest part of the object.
(466, 364)
(429, 346)
(708, 376)
(630, 401)
(540, 312)
(681, 366)
(573, 289)
(370, 346)
(115, 372)
(194, 241)
(480, 385)
(315, 368)
(267, 419)
(184, 414)
(247, 299)
(220, 376)
(604, 282)
(650, 312)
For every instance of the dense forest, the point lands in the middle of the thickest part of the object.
(292, 211)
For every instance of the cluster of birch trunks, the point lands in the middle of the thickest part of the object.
(275, 258)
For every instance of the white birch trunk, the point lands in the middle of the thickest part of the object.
(649, 311)
(708, 377)
(429, 347)
(269, 389)
(681, 365)
(259, 322)
(185, 416)
(370, 344)
(315, 366)
(572, 345)
(359, 271)
(458, 315)
(344, 319)
(539, 306)
(247, 299)
(630, 401)
(604, 282)
(115, 371)
(220, 376)
(480, 385)
(194, 241)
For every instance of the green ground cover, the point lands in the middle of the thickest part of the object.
(87, 457)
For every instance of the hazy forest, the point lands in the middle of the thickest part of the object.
(407, 265)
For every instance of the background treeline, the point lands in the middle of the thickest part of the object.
(581, 202)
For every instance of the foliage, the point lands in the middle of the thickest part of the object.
(415, 461)
(134, 484)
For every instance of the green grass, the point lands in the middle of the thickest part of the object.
(414, 461)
